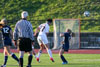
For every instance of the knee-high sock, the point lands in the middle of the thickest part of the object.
(62, 58)
(39, 53)
(15, 57)
(35, 56)
(30, 59)
(5, 60)
(21, 62)
(49, 52)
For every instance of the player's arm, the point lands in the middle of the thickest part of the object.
(11, 34)
(47, 30)
(15, 35)
(32, 37)
(62, 34)
(14, 41)
(36, 31)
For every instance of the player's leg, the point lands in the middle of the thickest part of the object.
(30, 56)
(49, 52)
(40, 52)
(45, 42)
(7, 48)
(34, 52)
(39, 39)
(21, 53)
(62, 57)
(5, 58)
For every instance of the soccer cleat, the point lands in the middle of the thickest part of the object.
(64, 62)
(38, 60)
(52, 59)
(3, 65)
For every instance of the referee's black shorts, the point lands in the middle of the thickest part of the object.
(25, 44)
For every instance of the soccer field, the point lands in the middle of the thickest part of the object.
(75, 60)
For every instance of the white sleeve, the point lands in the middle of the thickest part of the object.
(47, 29)
(40, 26)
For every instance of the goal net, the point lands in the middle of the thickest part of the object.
(60, 25)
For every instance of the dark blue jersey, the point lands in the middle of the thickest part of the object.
(6, 31)
(66, 41)
(66, 37)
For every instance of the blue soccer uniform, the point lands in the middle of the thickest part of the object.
(6, 35)
(66, 41)
(65, 46)
(7, 42)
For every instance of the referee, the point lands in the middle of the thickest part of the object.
(23, 32)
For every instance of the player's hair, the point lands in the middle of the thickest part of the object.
(3, 21)
(24, 14)
(69, 30)
(71, 33)
(49, 20)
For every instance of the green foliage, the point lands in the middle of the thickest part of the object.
(62, 9)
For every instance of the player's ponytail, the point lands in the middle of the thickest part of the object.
(3, 22)
(69, 30)
(71, 33)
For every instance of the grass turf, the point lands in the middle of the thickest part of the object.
(75, 60)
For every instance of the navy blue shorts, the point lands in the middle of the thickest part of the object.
(7, 42)
(65, 47)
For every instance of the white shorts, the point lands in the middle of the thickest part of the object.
(32, 47)
(42, 39)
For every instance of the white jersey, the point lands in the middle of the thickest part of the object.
(42, 37)
(44, 28)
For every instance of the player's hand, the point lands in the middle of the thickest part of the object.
(32, 43)
(62, 42)
(34, 34)
(15, 43)
(61, 35)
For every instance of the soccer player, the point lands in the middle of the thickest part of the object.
(65, 44)
(7, 32)
(42, 38)
(23, 32)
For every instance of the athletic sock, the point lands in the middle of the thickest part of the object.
(21, 62)
(35, 56)
(15, 57)
(39, 53)
(49, 52)
(62, 58)
(30, 59)
(5, 60)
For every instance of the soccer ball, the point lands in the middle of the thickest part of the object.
(86, 13)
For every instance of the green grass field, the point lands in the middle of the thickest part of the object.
(75, 60)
